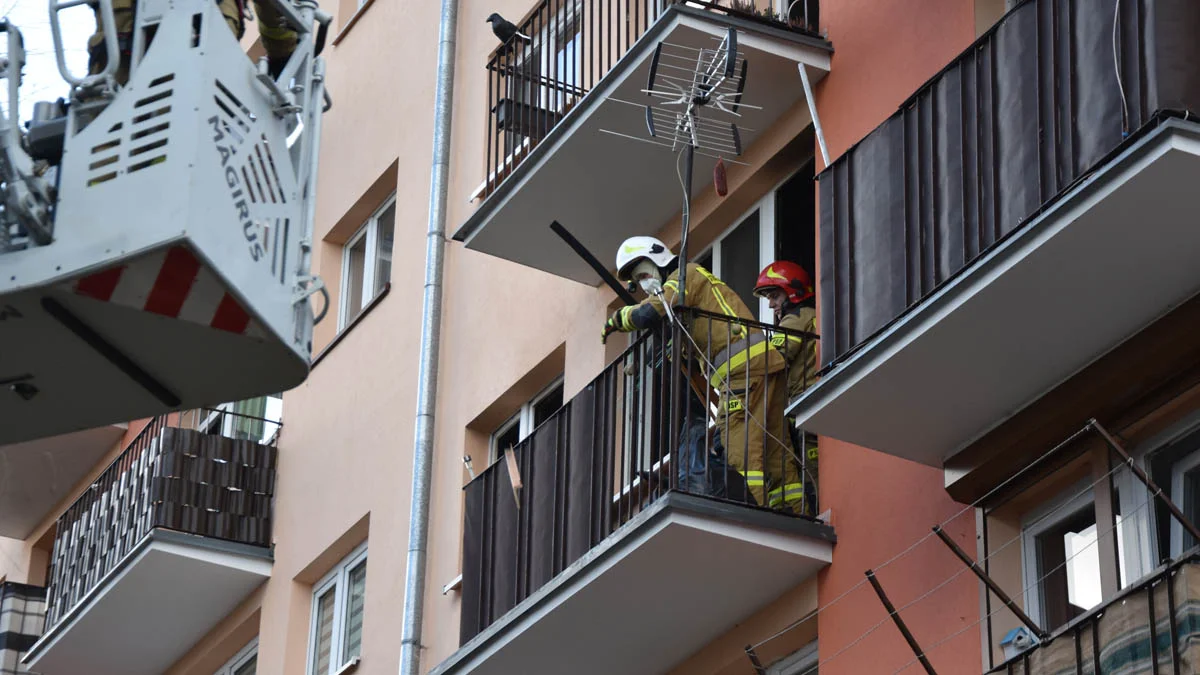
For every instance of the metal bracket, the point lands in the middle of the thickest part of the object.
(308, 285)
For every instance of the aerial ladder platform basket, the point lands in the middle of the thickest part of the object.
(162, 261)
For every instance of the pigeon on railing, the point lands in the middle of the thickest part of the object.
(505, 30)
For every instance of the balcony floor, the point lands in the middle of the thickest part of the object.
(667, 583)
(170, 592)
(1110, 257)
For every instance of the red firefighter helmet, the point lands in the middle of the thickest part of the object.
(788, 277)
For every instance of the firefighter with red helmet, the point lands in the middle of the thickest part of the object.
(789, 290)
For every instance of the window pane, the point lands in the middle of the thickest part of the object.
(383, 260)
(507, 437)
(739, 261)
(324, 637)
(247, 668)
(1069, 567)
(796, 219)
(250, 427)
(547, 406)
(1191, 503)
(354, 277)
(356, 589)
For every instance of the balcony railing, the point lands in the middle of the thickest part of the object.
(1022, 116)
(533, 86)
(22, 617)
(1153, 626)
(613, 450)
(201, 472)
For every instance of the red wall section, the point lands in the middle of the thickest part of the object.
(884, 50)
(880, 507)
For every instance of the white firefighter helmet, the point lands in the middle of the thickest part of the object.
(637, 248)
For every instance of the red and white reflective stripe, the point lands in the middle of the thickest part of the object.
(171, 283)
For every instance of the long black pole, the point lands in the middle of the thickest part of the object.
(908, 636)
(582, 251)
(1146, 480)
(990, 583)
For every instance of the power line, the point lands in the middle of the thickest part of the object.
(1027, 588)
(926, 537)
(1064, 503)
(921, 540)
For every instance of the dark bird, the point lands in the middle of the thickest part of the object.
(505, 30)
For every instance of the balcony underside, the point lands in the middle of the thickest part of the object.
(167, 596)
(37, 475)
(1115, 253)
(604, 188)
(662, 587)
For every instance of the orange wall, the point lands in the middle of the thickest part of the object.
(880, 505)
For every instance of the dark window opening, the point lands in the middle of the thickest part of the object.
(547, 405)
(795, 220)
(740, 260)
(1070, 586)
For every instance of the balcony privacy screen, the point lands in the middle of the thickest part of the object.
(168, 478)
(22, 618)
(1028, 110)
(1123, 633)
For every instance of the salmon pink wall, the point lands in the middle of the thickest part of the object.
(883, 51)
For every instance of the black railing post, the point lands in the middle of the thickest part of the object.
(758, 666)
(1153, 626)
(1172, 626)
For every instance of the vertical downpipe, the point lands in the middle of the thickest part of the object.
(431, 328)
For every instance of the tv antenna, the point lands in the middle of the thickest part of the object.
(696, 95)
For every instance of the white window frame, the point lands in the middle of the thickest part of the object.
(337, 577)
(1178, 469)
(523, 418)
(244, 654)
(1141, 535)
(766, 240)
(370, 232)
(1036, 523)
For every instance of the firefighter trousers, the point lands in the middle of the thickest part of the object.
(766, 460)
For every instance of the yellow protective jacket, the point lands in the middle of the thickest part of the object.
(737, 352)
(801, 353)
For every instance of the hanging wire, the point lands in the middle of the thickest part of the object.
(1066, 502)
(921, 540)
(1027, 588)
(1117, 69)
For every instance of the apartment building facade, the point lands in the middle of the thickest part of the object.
(1000, 244)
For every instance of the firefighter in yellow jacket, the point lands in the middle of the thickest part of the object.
(747, 372)
(787, 287)
(278, 38)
